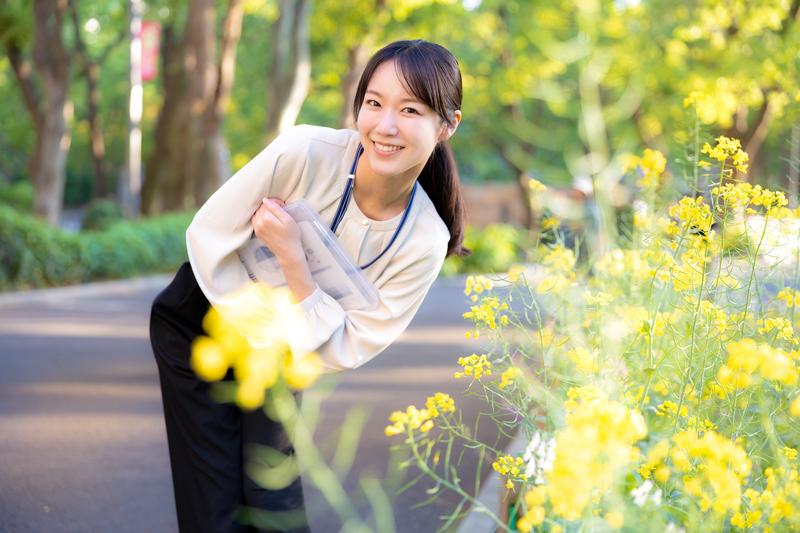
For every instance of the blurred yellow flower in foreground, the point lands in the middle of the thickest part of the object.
(597, 442)
(249, 333)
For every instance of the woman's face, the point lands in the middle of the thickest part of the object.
(398, 131)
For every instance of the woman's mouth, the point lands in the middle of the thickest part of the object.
(386, 148)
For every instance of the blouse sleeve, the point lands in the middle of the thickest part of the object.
(347, 340)
(222, 225)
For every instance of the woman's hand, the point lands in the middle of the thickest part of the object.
(278, 230)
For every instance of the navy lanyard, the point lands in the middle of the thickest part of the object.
(348, 193)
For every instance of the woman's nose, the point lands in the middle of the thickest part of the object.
(388, 123)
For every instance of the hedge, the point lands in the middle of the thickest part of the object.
(34, 254)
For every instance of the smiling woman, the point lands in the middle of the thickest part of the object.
(391, 193)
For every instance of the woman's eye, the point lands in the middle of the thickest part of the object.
(372, 103)
(411, 110)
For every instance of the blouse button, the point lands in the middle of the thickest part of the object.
(365, 222)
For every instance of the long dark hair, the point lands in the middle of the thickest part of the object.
(431, 73)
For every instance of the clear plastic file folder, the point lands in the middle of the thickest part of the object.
(331, 267)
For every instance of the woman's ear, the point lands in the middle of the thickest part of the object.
(449, 129)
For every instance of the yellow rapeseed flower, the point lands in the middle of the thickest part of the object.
(511, 467)
(694, 215)
(748, 359)
(421, 419)
(789, 296)
(782, 327)
(550, 223)
(440, 403)
(794, 407)
(591, 450)
(477, 284)
(728, 149)
(534, 517)
(651, 166)
(508, 376)
(474, 365)
(714, 469)
(671, 408)
(486, 312)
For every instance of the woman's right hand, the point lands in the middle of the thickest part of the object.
(278, 230)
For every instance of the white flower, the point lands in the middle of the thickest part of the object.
(672, 528)
(539, 457)
(646, 492)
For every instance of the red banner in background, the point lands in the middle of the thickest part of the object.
(151, 36)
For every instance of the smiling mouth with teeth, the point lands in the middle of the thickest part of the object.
(386, 148)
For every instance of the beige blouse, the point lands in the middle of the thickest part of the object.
(311, 163)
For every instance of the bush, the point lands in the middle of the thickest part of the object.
(18, 195)
(494, 249)
(100, 214)
(34, 254)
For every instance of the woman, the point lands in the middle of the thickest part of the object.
(398, 217)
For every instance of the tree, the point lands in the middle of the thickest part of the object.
(43, 79)
(738, 61)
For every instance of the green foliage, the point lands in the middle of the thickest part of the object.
(18, 195)
(33, 254)
(494, 249)
(100, 214)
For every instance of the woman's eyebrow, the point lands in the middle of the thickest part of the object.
(379, 95)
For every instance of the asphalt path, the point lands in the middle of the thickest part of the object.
(82, 440)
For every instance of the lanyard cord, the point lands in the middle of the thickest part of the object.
(348, 193)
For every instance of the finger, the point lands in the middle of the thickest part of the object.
(278, 201)
(277, 211)
(264, 218)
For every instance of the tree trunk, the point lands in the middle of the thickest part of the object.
(47, 166)
(217, 153)
(290, 69)
(752, 136)
(190, 159)
(199, 39)
(162, 189)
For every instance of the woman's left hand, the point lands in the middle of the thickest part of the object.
(278, 230)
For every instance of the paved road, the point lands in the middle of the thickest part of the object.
(82, 440)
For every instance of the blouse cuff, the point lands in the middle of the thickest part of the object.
(316, 318)
(309, 302)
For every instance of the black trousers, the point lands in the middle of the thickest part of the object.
(208, 441)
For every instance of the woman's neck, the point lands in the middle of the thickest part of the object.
(378, 197)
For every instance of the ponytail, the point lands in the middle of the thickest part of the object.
(440, 180)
